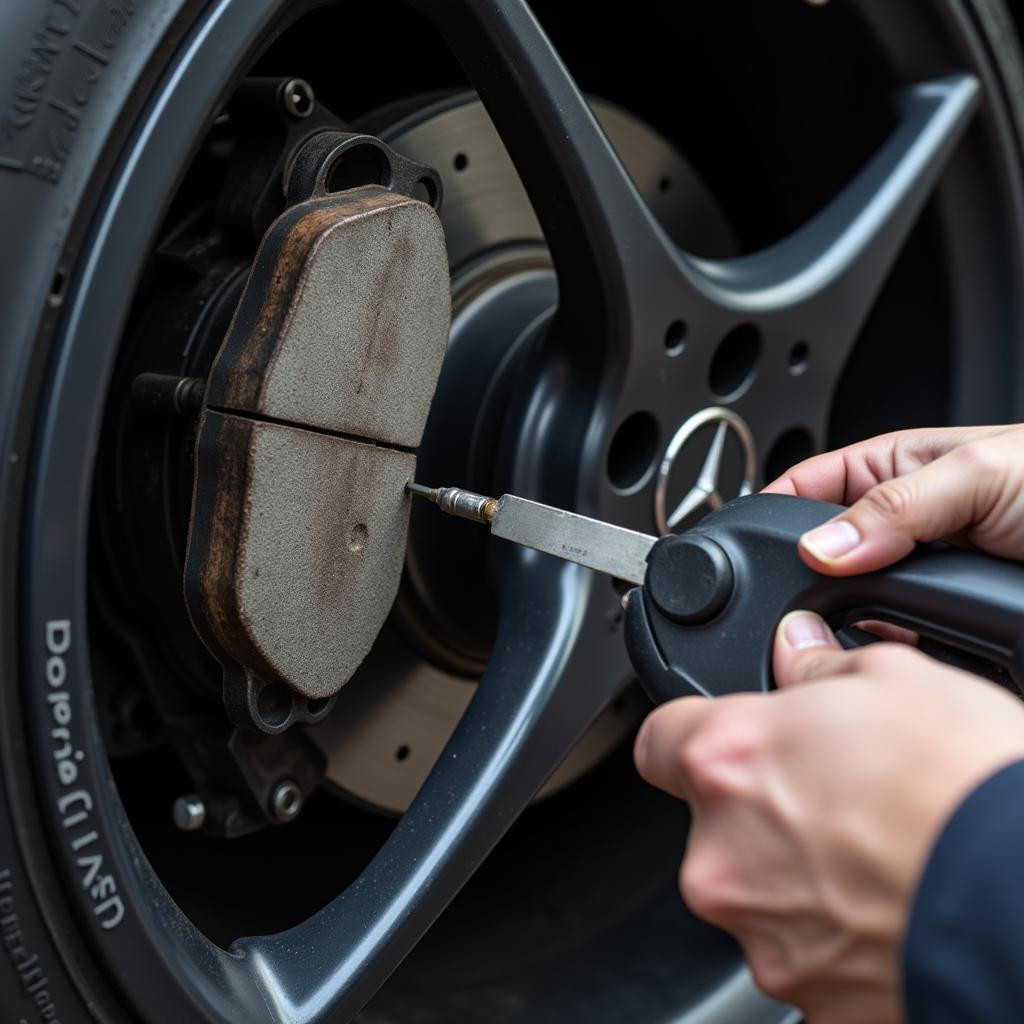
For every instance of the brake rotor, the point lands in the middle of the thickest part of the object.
(394, 718)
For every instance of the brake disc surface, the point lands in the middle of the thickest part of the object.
(392, 722)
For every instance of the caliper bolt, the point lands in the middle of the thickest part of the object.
(286, 800)
(189, 812)
(166, 394)
(297, 98)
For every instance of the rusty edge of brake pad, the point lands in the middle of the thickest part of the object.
(315, 400)
(358, 349)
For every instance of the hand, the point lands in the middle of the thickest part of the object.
(916, 485)
(814, 808)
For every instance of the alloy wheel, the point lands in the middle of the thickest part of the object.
(782, 321)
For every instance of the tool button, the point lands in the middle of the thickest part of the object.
(689, 578)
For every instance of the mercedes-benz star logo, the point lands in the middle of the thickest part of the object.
(705, 493)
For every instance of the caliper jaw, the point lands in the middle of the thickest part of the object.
(313, 409)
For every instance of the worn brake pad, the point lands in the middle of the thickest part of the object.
(314, 405)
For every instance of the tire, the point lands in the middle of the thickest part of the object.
(95, 103)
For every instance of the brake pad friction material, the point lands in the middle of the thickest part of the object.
(297, 579)
(338, 328)
(299, 516)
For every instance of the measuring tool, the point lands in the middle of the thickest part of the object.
(702, 615)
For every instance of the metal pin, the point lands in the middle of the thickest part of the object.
(166, 394)
(430, 493)
(457, 502)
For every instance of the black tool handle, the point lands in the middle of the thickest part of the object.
(704, 621)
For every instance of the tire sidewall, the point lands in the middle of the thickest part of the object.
(77, 71)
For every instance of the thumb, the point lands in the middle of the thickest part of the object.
(884, 525)
(805, 649)
(664, 734)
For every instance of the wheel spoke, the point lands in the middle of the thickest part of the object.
(521, 722)
(823, 280)
(610, 253)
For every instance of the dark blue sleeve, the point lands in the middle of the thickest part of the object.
(964, 954)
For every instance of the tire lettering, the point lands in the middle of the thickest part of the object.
(40, 123)
(76, 807)
(27, 967)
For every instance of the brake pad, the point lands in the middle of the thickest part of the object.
(313, 408)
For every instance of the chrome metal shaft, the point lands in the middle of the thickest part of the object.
(609, 549)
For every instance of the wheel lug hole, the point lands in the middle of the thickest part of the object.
(632, 452)
(461, 161)
(799, 358)
(675, 337)
(793, 446)
(735, 361)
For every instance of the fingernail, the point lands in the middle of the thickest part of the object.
(805, 629)
(832, 541)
